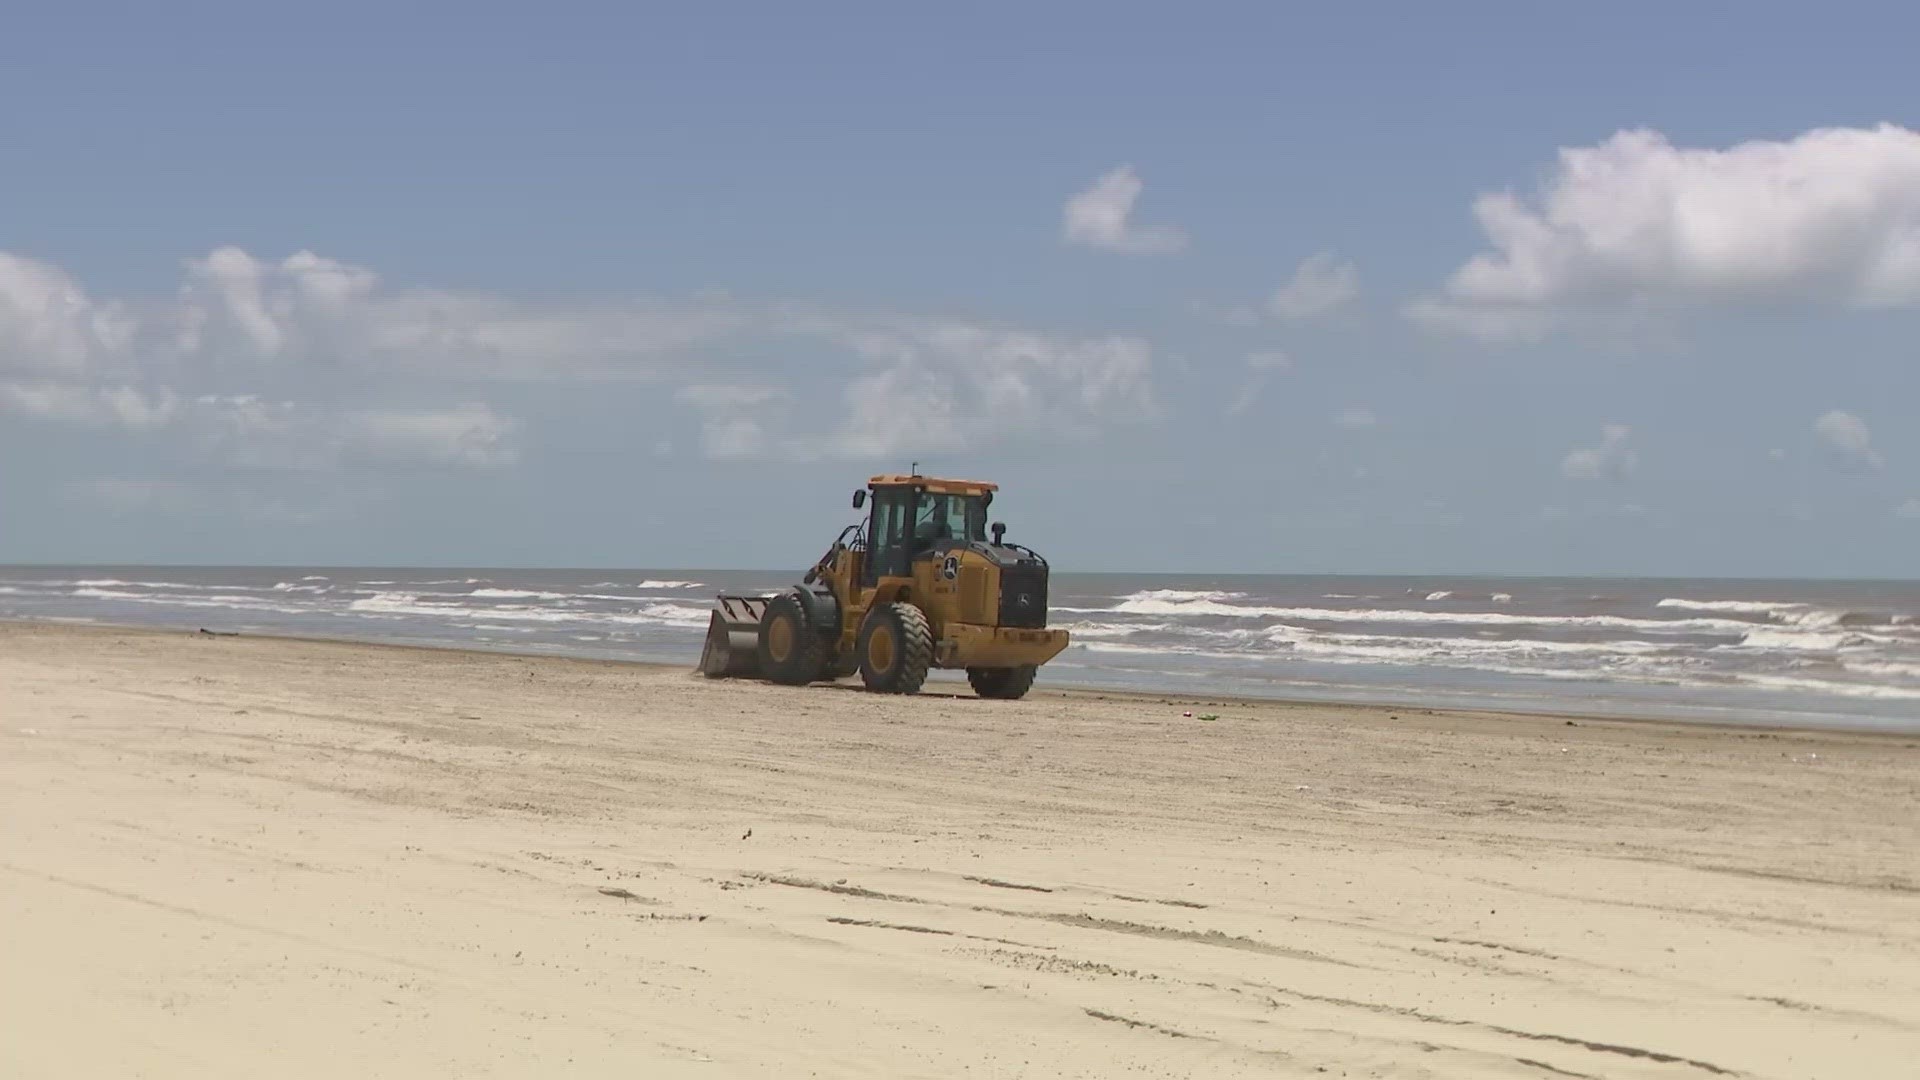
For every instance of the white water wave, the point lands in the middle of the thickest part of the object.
(1176, 596)
(1794, 640)
(1746, 607)
(230, 603)
(1874, 691)
(403, 603)
(1798, 639)
(529, 594)
(1111, 630)
(1641, 672)
(1397, 647)
(1893, 668)
(1485, 618)
(1286, 640)
(1358, 659)
(116, 583)
(1787, 612)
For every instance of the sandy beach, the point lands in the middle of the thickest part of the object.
(238, 856)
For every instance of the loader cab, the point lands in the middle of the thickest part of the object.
(909, 516)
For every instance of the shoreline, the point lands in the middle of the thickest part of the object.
(1068, 692)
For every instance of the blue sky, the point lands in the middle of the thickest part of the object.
(1498, 288)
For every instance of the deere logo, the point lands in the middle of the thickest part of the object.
(951, 568)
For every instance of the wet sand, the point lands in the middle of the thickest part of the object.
(236, 856)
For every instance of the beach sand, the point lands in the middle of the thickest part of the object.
(235, 856)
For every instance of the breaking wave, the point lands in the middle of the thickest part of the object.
(1179, 596)
(1112, 630)
(1743, 607)
(406, 603)
(1394, 615)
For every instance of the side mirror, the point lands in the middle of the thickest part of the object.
(999, 533)
(860, 498)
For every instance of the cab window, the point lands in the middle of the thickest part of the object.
(949, 517)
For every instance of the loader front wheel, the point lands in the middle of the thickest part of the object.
(791, 650)
(1007, 683)
(896, 648)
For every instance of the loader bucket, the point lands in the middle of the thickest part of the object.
(733, 638)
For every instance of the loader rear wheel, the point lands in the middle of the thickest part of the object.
(791, 650)
(896, 647)
(1007, 683)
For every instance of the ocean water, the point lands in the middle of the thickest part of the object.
(1825, 653)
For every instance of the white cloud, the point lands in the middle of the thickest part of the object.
(732, 437)
(1259, 366)
(950, 386)
(237, 315)
(470, 434)
(1356, 418)
(227, 293)
(1102, 217)
(49, 326)
(249, 431)
(735, 420)
(1637, 224)
(1321, 285)
(1613, 459)
(1850, 440)
(1909, 510)
(260, 364)
(95, 406)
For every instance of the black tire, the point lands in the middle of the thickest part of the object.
(792, 651)
(896, 648)
(1005, 683)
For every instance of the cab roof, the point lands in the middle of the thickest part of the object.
(934, 484)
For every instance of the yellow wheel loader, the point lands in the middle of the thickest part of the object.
(919, 584)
